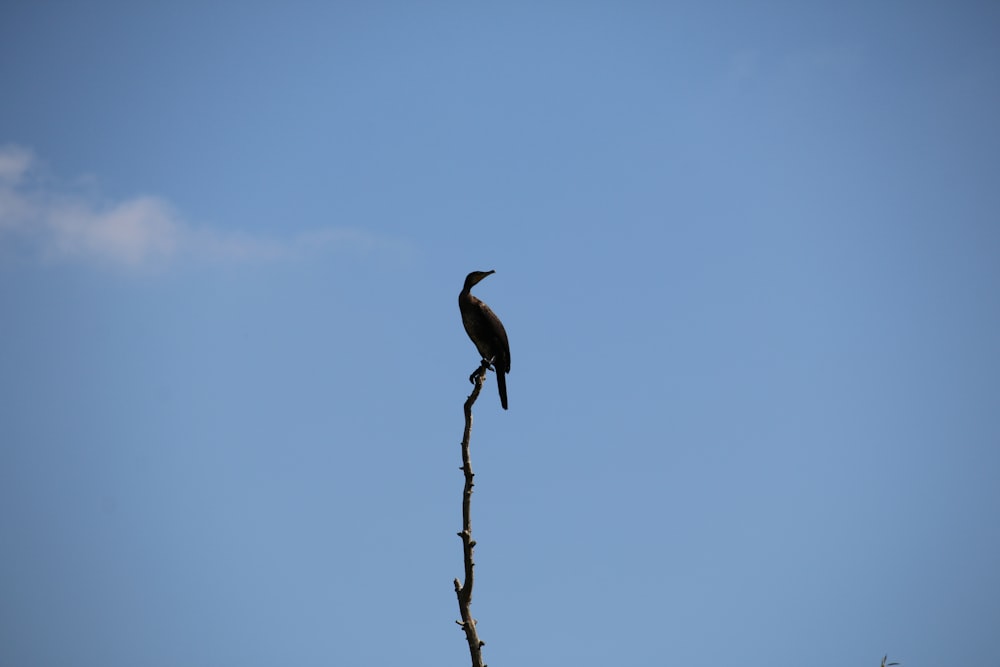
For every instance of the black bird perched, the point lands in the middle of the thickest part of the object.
(486, 331)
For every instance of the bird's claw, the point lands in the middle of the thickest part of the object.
(486, 365)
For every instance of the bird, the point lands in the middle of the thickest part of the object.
(486, 331)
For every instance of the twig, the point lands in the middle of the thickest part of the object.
(464, 591)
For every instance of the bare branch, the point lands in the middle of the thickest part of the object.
(464, 591)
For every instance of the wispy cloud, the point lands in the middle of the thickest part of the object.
(14, 163)
(751, 67)
(52, 224)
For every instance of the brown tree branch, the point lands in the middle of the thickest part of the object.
(464, 591)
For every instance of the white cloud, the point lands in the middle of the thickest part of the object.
(54, 225)
(14, 163)
(132, 233)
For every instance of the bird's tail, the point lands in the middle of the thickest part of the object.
(502, 386)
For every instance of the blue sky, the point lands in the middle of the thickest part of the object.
(747, 257)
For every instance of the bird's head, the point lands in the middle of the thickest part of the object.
(475, 277)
